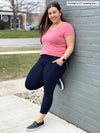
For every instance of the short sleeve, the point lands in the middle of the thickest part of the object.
(68, 30)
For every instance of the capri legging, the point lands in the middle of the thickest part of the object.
(47, 74)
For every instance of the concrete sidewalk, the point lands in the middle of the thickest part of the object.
(11, 87)
(17, 113)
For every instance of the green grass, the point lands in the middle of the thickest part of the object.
(16, 66)
(19, 34)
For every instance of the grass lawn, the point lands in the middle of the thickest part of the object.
(16, 66)
(19, 34)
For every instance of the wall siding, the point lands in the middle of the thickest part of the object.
(79, 103)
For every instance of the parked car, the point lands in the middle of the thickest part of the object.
(34, 26)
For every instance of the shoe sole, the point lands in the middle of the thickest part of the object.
(30, 130)
(62, 85)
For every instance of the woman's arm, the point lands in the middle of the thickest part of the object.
(70, 47)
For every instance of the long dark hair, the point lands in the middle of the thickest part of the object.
(45, 22)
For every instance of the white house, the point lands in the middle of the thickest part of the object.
(7, 17)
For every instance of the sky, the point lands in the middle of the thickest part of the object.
(4, 4)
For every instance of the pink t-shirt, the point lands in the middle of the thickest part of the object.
(53, 41)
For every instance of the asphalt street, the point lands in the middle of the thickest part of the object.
(6, 44)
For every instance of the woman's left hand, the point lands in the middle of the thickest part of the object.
(58, 61)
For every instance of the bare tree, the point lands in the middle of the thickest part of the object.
(2, 4)
(14, 9)
(20, 6)
(1, 7)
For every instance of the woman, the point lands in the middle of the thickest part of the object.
(57, 37)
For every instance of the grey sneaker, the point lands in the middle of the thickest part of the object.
(60, 83)
(34, 126)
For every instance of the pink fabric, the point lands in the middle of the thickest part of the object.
(53, 41)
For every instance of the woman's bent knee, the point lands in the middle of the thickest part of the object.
(32, 85)
(28, 86)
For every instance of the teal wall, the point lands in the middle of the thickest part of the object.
(79, 103)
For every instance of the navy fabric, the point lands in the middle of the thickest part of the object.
(47, 74)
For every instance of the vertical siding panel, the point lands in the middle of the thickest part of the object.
(79, 103)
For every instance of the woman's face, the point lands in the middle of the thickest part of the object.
(54, 15)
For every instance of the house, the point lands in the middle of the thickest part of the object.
(7, 17)
(79, 103)
(23, 19)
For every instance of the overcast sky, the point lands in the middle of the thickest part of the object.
(4, 3)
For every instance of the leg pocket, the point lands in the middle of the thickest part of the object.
(62, 67)
(57, 64)
(53, 71)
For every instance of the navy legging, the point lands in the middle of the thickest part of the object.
(47, 74)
